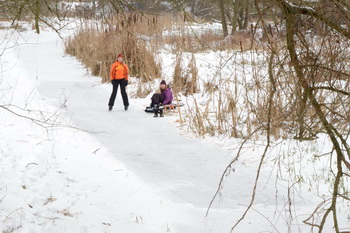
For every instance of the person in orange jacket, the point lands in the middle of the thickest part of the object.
(119, 75)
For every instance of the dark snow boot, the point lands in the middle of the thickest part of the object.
(126, 107)
(161, 113)
(110, 108)
(156, 110)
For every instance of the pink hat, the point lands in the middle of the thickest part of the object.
(120, 55)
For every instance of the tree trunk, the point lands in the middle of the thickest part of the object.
(235, 15)
(222, 16)
(193, 6)
(37, 15)
(246, 16)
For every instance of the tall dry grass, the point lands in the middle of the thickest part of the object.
(98, 48)
(185, 77)
(208, 40)
(235, 106)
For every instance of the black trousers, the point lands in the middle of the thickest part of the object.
(116, 83)
(157, 99)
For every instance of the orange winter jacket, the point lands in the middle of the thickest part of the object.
(119, 71)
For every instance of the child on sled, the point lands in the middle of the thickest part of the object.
(160, 99)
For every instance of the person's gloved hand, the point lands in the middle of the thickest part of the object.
(114, 82)
(126, 82)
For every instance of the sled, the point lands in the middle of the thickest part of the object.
(167, 107)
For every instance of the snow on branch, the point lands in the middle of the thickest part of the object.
(290, 8)
(299, 9)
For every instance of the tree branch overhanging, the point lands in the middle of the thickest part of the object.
(293, 9)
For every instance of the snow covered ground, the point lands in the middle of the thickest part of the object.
(91, 170)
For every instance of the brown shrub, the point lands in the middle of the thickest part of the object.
(98, 48)
(185, 81)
